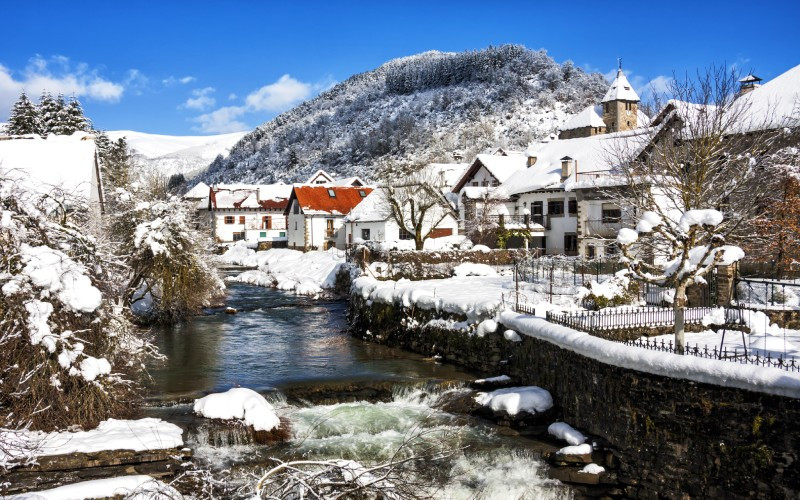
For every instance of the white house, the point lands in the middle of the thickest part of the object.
(321, 177)
(316, 214)
(61, 166)
(249, 212)
(372, 220)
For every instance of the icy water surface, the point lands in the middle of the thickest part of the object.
(281, 345)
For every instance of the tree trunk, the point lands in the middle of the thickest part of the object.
(680, 308)
(418, 239)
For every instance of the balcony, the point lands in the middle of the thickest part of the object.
(521, 221)
(605, 228)
(330, 233)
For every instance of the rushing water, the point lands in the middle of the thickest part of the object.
(280, 345)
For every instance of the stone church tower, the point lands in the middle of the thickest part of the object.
(620, 105)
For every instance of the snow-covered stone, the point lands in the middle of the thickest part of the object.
(513, 400)
(239, 403)
(566, 432)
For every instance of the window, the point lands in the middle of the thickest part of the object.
(238, 236)
(405, 235)
(295, 208)
(495, 183)
(295, 225)
(612, 249)
(570, 243)
(611, 214)
(475, 183)
(262, 234)
(362, 193)
(537, 208)
(572, 205)
(331, 193)
(241, 219)
(485, 183)
(282, 234)
(266, 222)
(555, 208)
(319, 181)
(590, 252)
(230, 219)
(365, 234)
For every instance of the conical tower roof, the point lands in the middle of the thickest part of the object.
(621, 89)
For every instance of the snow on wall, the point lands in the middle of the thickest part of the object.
(749, 377)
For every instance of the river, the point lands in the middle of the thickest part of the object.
(343, 397)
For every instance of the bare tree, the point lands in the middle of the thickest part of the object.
(480, 224)
(416, 202)
(694, 180)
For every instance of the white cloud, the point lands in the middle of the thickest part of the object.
(221, 121)
(56, 75)
(278, 96)
(275, 97)
(201, 99)
(171, 80)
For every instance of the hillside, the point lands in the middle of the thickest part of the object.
(171, 154)
(417, 108)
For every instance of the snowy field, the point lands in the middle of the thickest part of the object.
(308, 273)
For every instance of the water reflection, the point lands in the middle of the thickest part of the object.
(276, 339)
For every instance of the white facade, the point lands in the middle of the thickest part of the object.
(388, 230)
(254, 225)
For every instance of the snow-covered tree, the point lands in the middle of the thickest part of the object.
(24, 117)
(75, 121)
(60, 123)
(70, 355)
(48, 113)
(696, 184)
(170, 275)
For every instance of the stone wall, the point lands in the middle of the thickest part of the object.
(431, 265)
(673, 438)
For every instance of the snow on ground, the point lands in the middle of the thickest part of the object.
(138, 487)
(445, 243)
(304, 273)
(513, 400)
(239, 403)
(472, 269)
(593, 469)
(750, 377)
(566, 432)
(137, 435)
(581, 449)
(477, 297)
(775, 342)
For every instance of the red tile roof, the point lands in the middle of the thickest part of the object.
(316, 198)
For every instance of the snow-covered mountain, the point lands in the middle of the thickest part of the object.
(413, 109)
(173, 154)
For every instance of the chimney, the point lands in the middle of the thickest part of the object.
(566, 167)
(748, 84)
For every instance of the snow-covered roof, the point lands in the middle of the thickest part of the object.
(354, 181)
(775, 104)
(620, 89)
(589, 117)
(501, 167)
(373, 208)
(318, 200)
(449, 172)
(58, 163)
(267, 196)
(198, 192)
(319, 173)
(594, 155)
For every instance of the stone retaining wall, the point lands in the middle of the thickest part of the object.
(673, 438)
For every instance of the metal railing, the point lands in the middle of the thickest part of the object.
(789, 363)
(635, 318)
(524, 220)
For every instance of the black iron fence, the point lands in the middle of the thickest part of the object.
(767, 293)
(634, 318)
(722, 354)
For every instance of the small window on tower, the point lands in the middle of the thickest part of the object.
(331, 193)
(362, 193)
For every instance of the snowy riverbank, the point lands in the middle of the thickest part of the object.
(308, 273)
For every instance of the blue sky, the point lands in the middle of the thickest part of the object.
(198, 67)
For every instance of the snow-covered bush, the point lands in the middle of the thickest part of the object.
(171, 274)
(618, 290)
(69, 355)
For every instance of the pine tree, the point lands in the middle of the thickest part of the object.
(61, 122)
(24, 118)
(75, 119)
(48, 109)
